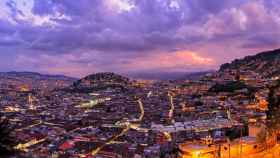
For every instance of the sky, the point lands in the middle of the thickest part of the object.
(77, 38)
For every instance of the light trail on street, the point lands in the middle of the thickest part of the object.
(171, 111)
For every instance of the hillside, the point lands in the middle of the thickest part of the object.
(265, 64)
(100, 81)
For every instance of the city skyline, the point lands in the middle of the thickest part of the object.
(129, 36)
(140, 78)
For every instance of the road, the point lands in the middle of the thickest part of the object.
(142, 110)
(171, 111)
(25, 146)
(129, 126)
(39, 123)
(110, 141)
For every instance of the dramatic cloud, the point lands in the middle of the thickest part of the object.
(81, 37)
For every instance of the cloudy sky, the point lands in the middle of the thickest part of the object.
(78, 37)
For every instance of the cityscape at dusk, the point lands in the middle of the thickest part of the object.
(140, 79)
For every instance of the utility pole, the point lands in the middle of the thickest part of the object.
(241, 134)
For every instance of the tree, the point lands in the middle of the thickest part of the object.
(273, 112)
(262, 136)
(6, 140)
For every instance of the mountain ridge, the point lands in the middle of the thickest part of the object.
(266, 64)
(34, 74)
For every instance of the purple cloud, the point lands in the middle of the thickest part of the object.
(109, 35)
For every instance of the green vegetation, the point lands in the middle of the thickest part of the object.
(238, 132)
(230, 87)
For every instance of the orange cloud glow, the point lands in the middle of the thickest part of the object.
(179, 60)
(196, 59)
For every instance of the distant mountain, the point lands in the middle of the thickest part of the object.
(170, 75)
(101, 81)
(35, 75)
(33, 80)
(265, 64)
